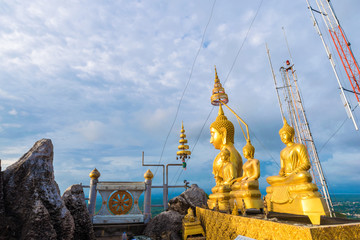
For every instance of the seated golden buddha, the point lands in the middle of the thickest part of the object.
(222, 137)
(247, 187)
(191, 225)
(227, 170)
(292, 191)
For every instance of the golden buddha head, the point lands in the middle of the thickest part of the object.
(248, 150)
(222, 130)
(225, 155)
(287, 133)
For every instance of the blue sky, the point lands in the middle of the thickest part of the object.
(103, 80)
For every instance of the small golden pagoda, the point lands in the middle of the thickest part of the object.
(183, 152)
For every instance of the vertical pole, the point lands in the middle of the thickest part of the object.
(276, 86)
(94, 175)
(165, 197)
(147, 196)
(166, 188)
(164, 183)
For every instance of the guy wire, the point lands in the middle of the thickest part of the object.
(191, 72)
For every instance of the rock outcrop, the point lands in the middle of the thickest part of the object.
(167, 225)
(32, 199)
(193, 197)
(74, 200)
(179, 204)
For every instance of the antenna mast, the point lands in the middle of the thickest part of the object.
(291, 103)
(343, 49)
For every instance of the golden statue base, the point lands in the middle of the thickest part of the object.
(220, 199)
(222, 226)
(192, 228)
(247, 191)
(301, 199)
(191, 225)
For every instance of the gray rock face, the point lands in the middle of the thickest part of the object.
(195, 196)
(32, 197)
(179, 204)
(165, 226)
(39, 226)
(74, 200)
(192, 197)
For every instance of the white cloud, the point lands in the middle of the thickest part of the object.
(6, 95)
(104, 81)
(18, 150)
(86, 159)
(11, 125)
(91, 130)
(343, 167)
(13, 112)
(7, 162)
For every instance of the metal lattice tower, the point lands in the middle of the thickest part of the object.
(343, 49)
(292, 108)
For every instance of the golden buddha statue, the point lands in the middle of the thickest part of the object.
(246, 188)
(190, 217)
(222, 137)
(292, 191)
(294, 160)
(228, 169)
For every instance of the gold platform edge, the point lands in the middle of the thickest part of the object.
(221, 226)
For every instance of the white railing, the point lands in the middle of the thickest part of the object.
(120, 201)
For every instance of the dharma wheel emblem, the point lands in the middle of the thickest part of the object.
(120, 202)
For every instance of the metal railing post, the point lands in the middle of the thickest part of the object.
(165, 186)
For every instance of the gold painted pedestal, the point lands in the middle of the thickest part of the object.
(192, 228)
(191, 225)
(222, 226)
(222, 198)
(247, 191)
(301, 199)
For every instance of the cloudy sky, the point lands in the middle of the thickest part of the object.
(104, 79)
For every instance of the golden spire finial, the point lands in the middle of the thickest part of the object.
(221, 111)
(216, 76)
(218, 93)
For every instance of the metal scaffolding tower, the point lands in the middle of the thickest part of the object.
(343, 49)
(292, 108)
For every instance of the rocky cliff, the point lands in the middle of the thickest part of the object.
(32, 205)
